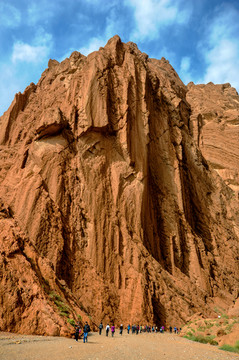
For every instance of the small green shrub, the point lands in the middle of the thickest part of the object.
(62, 313)
(203, 339)
(71, 321)
(230, 348)
(229, 328)
(209, 325)
(62, 307)
(55, 296)
(224, 316)
(79, 317)
(213, 342)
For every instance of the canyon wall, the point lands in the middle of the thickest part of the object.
(110, 207)
(214, 125)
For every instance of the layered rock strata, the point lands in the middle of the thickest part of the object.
(109, 211)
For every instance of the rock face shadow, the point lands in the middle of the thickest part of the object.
(111, 208)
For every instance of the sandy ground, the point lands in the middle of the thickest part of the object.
(133, 347)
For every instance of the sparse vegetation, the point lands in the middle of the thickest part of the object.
(230, 348)
(55, 296)
(71, 321)
(62, 313)
(221, 313)
(202, 339)
(209, 325)
(201, 328)
(230, 326)
(224, 316)
(64, 309)
(211, 330)
(79, 317)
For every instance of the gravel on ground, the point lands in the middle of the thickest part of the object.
(99, 347)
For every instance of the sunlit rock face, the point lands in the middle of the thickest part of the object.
(214, 125)
(109, 210)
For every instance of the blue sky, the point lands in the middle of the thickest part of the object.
(200, 38)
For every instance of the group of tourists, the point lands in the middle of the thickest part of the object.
(135, 329)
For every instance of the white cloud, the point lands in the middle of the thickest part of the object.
(43, 38)
(221, 48)
(10, 86)
(94, 44)
(37, 52)
(152, 15)
(185, 64)
(113, 25)
(9, 16)
(28, 53)
(184, 70)
(27, 62)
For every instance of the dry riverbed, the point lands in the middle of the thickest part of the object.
(133, 347)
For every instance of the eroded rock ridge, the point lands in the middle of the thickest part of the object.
(110, 206)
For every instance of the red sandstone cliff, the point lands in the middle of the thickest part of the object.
(108, 208)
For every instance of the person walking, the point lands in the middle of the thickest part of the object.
(112, 330)
(121, 329)
(100, 328)
(86, 331)
(77, 332)
(128, 328)
(107, 329)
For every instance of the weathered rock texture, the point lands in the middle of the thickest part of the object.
(214, 125)
(108, 207)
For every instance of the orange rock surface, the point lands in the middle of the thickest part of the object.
(214, 125)
(109, 211)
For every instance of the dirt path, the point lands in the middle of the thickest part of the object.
(132, 347)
